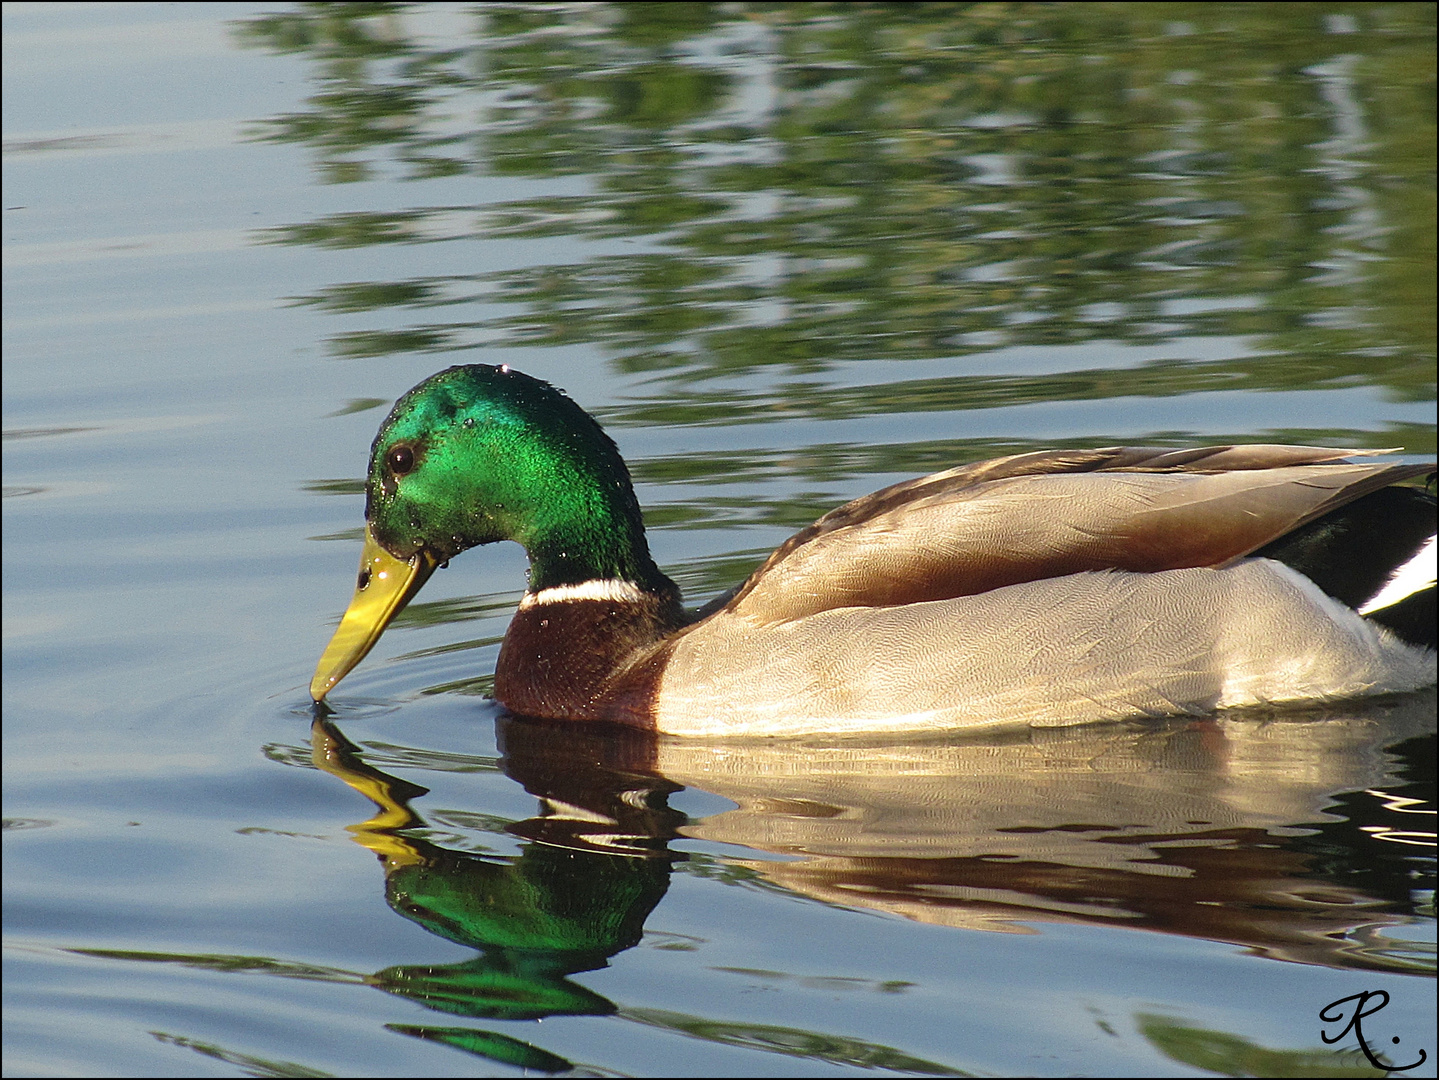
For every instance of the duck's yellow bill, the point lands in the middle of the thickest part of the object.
(386, 584)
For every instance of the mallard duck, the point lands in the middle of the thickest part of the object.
(1046, 588)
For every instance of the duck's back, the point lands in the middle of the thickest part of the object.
(1051, 588)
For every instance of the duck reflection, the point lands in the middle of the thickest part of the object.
(574, 897)
(1293, 836)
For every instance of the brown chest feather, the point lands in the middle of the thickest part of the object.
(586, 659)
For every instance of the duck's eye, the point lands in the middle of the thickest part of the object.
(401, 459)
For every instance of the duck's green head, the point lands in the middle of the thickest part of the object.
(477, 454)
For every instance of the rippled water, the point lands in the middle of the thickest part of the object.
(787, 254)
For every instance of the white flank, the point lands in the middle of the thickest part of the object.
(1050, 653)
(1417, 574)
(599, 589)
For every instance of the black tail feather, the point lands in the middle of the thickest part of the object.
(1352, 552)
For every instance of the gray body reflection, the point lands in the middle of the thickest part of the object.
(1240, 828)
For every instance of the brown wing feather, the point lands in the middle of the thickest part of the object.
(1052, 513)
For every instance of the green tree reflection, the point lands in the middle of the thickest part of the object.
(785, 187)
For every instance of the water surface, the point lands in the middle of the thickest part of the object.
(787, 254)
